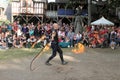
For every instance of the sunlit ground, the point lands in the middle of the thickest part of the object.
(93, 64)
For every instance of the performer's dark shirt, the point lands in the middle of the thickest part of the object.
(56, 37)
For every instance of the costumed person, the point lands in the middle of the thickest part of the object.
(55, 47)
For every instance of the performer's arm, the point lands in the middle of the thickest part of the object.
(53, 35)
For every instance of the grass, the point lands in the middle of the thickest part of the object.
(17, 53)
(25, 52)
(22, 52)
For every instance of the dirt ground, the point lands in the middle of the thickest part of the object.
(92, 65)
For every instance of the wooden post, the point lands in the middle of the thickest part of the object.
(89, 12)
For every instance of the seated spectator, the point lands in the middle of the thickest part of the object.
(3, 44)
(0, 44)
(93, 43)
(74, 40)
(60, 39)
(65, 44)
(10, 41)
(100, 41)
(78, 37)
(106, 42)
(31, 41)
(113, 44)
(85, 40)
(23, 40)
(61, 33)
(3, 38)
(17, 43)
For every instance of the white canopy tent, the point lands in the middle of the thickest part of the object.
(102, 21)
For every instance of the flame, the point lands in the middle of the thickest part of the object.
(40, 39)
(47, 47)
(79, 48)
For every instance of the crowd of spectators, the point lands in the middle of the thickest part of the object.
(102, 36)
(15, 35)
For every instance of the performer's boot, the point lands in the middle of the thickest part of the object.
(64, 63)
(47, 63)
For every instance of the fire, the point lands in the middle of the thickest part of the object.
(39, 40)
(79, 48)
(47, 47)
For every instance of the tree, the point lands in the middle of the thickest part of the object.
(106, 8)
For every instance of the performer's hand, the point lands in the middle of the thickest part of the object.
(53, 35)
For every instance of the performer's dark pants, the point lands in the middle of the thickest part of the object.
(56, 48)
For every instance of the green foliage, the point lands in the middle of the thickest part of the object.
(114, 3)
(72, 4)
(4, 21)
(108, 8)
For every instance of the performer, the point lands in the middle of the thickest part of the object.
(55, 47)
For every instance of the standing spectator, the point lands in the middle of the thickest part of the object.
(31, 30)
(33, 26)
(18, 24)
(14, 28)
(19, 32)
(4, 28)
(25, 31)
(118, 37)
(92, 28)
(113, 35)
(9, 27)
(70, 35)
(38, 31)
